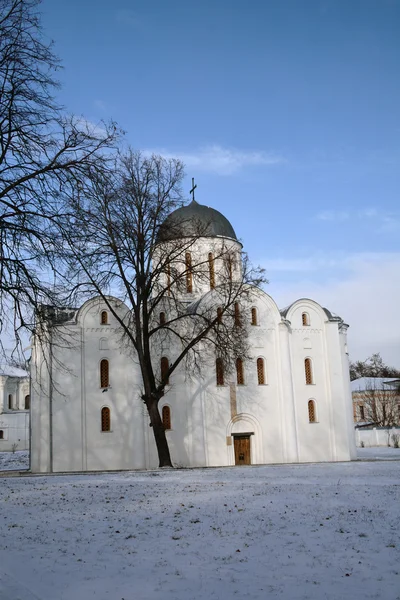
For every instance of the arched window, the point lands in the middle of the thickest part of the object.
(10, 401)
(164, 368)
(104, 317)
(254, 316)
(104, 374)
(1, 434)
(260, 371)
(219, 368)
(105, 419)
(219, 314)
(312, 417)
(308, 371)
(211, 270)
(237, 314)
(166, 417)
(27, 402)
(230, 266)
(239, 371)
(162, 318)
(168, 273)
(189, 276)
(305, 319)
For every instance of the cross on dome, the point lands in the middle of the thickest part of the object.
(192, 190)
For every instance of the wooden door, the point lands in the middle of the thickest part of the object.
(242, 450)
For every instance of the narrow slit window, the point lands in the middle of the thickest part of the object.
(219, 314)
(362, 413)
(308, 371)
(1, 434)
(254, 320)
(211, 270)
(27, 402)
(166, 417)
(189, 274)
(104, 374)
(10, 401)
(260, 371)
(237, 314)
(168, 273)
(164, 369)
(105, 419)
(219, 367)
(239, 371)
(311, 412)
(104, 317)
(229, 266)
(162, 318)
(305, 319)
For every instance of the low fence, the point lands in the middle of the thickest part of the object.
(378, 436)
(14, 430)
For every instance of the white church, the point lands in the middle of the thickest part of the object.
(290, 403)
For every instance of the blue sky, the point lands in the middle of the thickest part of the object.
(287, 115)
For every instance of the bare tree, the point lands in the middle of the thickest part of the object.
(124, 247)
(43, 153)
(378, 405)
(373, 366)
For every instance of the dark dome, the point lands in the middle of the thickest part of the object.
(195, 220)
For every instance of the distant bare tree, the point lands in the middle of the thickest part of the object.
(372, 367)
(43, 154)
(116, 244)
(379, 406)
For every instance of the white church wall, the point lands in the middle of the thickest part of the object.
(40, 408)
(199, 251)
(315, 440)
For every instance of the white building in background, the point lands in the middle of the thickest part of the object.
(14, 408)
(290, 403)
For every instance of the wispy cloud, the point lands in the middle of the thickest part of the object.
(126, 16)
(365, 293)
(100, 105)
(333, 215)
(223, 161)
(328, 263)
(383, 221)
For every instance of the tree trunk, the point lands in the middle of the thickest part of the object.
(159, 433)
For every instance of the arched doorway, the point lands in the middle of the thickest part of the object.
(245, 447)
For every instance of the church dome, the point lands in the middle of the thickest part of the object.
(195, 220)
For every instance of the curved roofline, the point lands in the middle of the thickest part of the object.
(329, 314)
(210, 221)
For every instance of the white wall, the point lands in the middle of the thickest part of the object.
(376, 437)
(66, 425)
(15, 428)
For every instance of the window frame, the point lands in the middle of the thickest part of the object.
(189, 273)
(305, 319)
(260, 364)
(219, 372)
(240, 379)
(254, 316)
(309, 371)
(105, 410)
(106, 375)
(104, 318)
(312, 411)
(166, 417)
(164, 368)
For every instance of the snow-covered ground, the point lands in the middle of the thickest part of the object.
(379, 453)
(290, 532)
(19, 461)
(14, 461)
